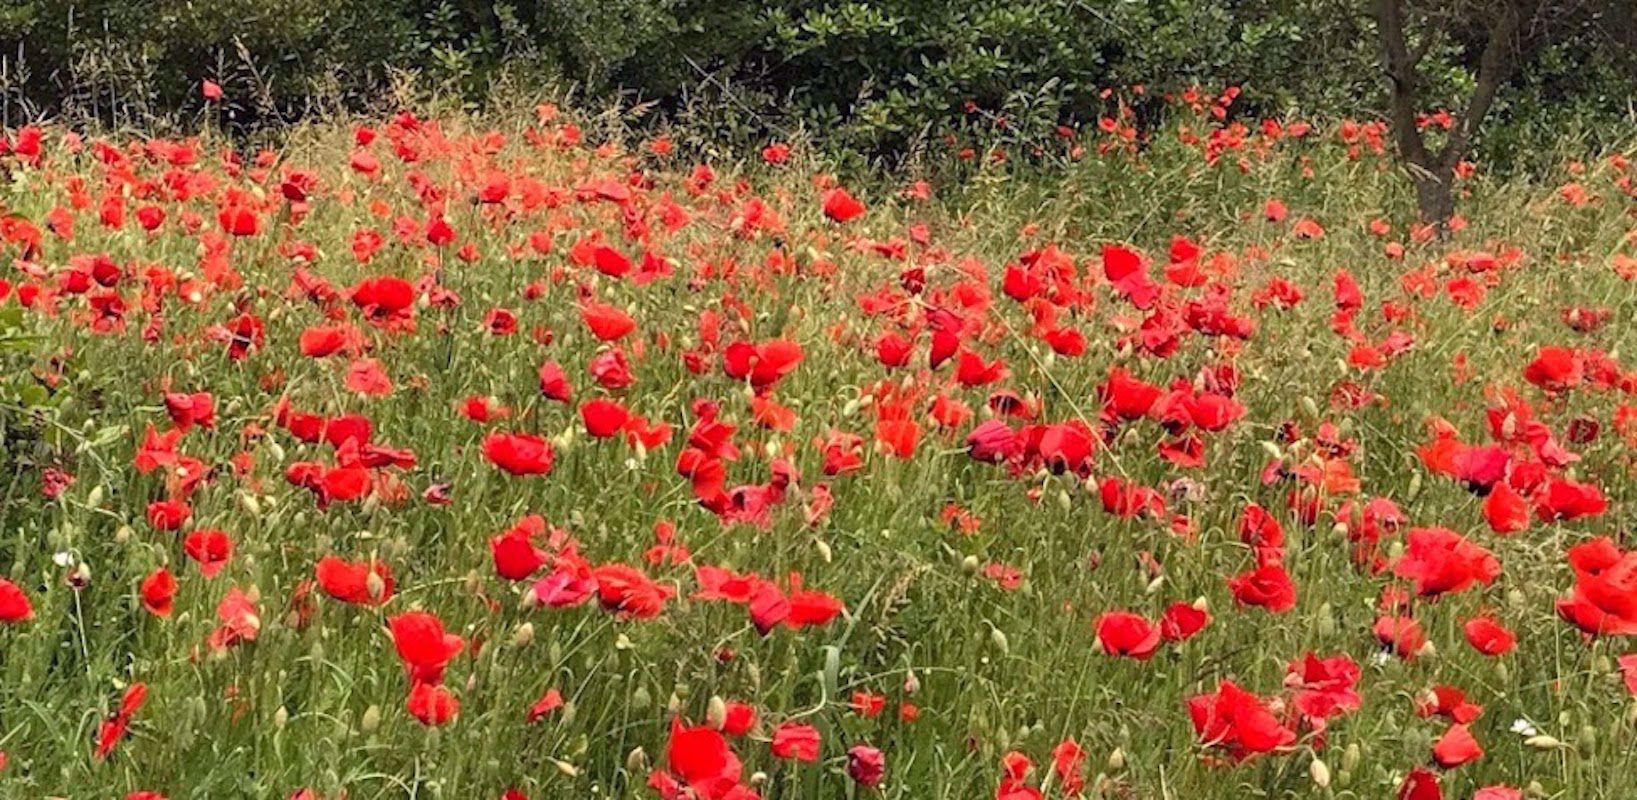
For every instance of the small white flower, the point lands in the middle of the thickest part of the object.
(1523, 727)
(1381, 657)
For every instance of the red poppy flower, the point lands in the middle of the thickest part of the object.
(1122, 633)
(210, 548)
(158, 592)
(14, 604)
(432, 704)
(365, 583)
(1237, 721)
(423, 646)
(518, 453)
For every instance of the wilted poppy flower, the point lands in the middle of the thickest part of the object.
(866, 766)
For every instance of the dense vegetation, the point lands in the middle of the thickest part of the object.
(877, 77)
(454, 458)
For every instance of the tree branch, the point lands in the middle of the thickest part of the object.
(1495, 67)
(1402, 78)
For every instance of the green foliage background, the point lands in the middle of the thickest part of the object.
(874, 77)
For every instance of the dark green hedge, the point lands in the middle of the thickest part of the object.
(873, 77)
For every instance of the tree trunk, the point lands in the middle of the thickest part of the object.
(1435, 196)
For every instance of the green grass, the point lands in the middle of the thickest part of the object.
(321, 704)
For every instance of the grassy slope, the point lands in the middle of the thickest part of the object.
(997, 669)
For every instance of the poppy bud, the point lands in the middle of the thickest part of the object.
(1535, 789)
(1309, 407)
(716, 715)
(1272, 449)
(375, 585)
(1320, 773)
(94, 497)
(523, 635)
(1541, 741)
(1588, 738)
(999, 640)
(1350, 757)
(1155, 585)
(641, 699)
(1116, 759)
(281, 717)
(674, 704)
(1063, 500)
(564, 767)
(912, 684)
(123, 534)
(823, 549)
(969, 564)
(636, 761)
(758, 778)
(371, 719)
(249, 504)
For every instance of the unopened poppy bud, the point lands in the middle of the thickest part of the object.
(674, 704)
(523, 635)
(1309, 407)
(122, 534)
(1063, 500)
(1427, 650)
(716, 715)
(1155, 584)
(1116, 759)
(1272, 450)
(998, 638)
(641, 699)
(564, 767)
(249, 504)
(758, 778)
(371, 719)
(275, 450)
(636, 761)
(1320, 773)
(1535, 789)
(623, 642)
(912, 684)
(1350, 757)
(1415, 485)
(474, 582)
(375, 585)
(94, 497)
(1588, 738)
(824, 550)
(281, 717)
(1541, 741)
(969, 564)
